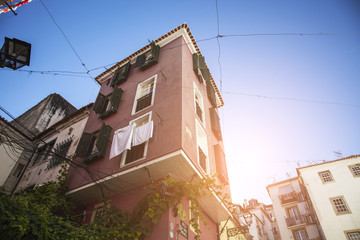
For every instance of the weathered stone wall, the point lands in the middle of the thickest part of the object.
(44, 114)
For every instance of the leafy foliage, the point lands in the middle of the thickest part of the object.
(45, 212)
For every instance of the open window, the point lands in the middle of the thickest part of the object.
(199, 104)
(202, 148)
(43, 152)
(144, 94)
(120, 75)
(137, 152)
(200, 69)
(149, 58)
(107, 105)
(215, 123)
(93, 146)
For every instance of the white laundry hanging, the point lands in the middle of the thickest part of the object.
(142, 133)
(121, 140)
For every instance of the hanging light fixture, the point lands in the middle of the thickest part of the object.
(15, 53)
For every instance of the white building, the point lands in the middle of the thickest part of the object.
(259, 218)
(54, 145)
(334, 190)
(293, 212)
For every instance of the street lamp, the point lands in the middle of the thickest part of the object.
(15, 53)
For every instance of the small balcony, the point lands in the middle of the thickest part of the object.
(288, 198)
(295, 221)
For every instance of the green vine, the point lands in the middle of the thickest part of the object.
(45, 212)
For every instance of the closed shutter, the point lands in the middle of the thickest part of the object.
(99, 104)
(221, 168)
(84, 144)
(103, 139)
(116, 98)
(215, 123)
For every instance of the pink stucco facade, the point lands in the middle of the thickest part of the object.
(173, 147)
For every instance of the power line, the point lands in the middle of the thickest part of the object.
(66, 38)
(293, 99)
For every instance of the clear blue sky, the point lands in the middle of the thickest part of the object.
(267, 132)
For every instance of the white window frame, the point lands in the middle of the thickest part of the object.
(200, 101)
(98, 206)
(343, 204)
(352, 234)
(302, 234)
(139, 93)
(354, 169)
(326, 177)
(123, 158)
(202, 144)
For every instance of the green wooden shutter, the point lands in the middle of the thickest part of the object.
(103, 139)
(114, 79)
(115, 98)
(99, 103)
(211, 93)
(215, 123)
(84, 144)
(206, 74)
(120, 75)
(155, 52)
(202, 64)
(221, 168)
(140, 60)
(196, 62)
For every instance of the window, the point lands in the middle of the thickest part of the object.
(199, 104)
(43, 152)
(137, 152)
(93, 146)
(326, 177)
(355, 170)
(353, 235)
(200, 69)
(202, 147)
(215, 123)
(120, 75)
(18, 170)
(221, 168)
(149, 58)
(107, 105)
(60, 152)
(300, 235)
(339, 205)
(144, 94)
(99, 210)
(310, 219)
